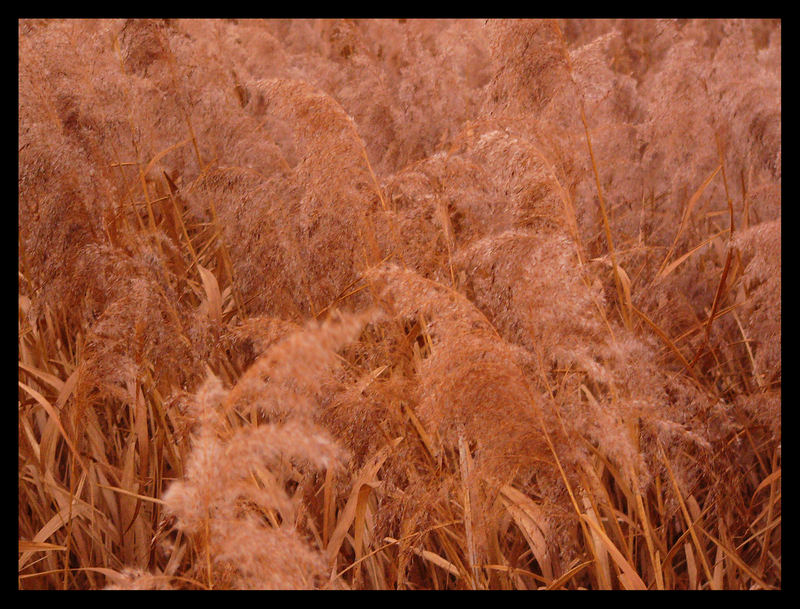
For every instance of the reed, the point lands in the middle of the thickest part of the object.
(399, 304)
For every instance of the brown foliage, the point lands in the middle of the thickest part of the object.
(399, 304)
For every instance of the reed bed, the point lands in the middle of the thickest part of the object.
(399, 304)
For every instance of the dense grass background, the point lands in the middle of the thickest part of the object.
(400, 304)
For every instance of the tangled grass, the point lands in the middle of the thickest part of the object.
(399, 304)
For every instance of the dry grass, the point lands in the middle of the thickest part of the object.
(399, 304)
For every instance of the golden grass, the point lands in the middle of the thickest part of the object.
(389, 324)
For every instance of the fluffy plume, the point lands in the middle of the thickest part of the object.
(399, 304)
